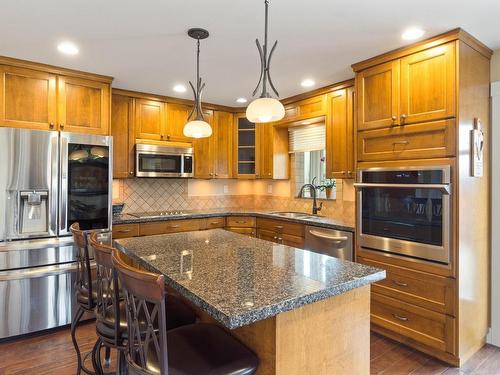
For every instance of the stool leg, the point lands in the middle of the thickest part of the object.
(107, 357)
(99, 370)
(122, 366)
(95, 353)
(74, 323)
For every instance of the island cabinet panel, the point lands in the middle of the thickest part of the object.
(378, 96)
(417, 141)
(150, 121)
(423, 289)
(170, 226)
(428, 85)
(122, 130)
(340, 134)
(83, 105)
(177, 117)
(27, 98)
(426, 327)
(125, 230)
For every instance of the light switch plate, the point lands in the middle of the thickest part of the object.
(226, 189)
(269, 189)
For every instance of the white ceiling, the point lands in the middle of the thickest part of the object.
(143, 43)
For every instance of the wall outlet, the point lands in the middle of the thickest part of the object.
(226, 189)
(269, 189)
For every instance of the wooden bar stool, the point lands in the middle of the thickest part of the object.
(86, 294)
(111, 322)
(191, 349)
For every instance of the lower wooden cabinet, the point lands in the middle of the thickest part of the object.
(416, 324)
(282, 232)
(170, 226)
(214, 222)
(125, 230)
(248, 231)
(417, 141)
(240, 221)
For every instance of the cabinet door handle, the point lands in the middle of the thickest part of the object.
(400, 142)
(399, 317)
(269, 174)
(168, 136)
(403, 117)
(400, 283)
(61, 126)
(51, 125)
(131, 173)
(161, 136)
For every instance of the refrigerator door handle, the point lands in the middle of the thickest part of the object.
(54, 183)
(36, 272)
(63, 208)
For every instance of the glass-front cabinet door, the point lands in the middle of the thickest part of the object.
(245, 140)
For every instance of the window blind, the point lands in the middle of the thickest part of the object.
(307, 138)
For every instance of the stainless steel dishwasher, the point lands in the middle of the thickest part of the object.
(335, 243)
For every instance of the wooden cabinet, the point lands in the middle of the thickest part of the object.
(122, 130)
(214, 222)
(125, 230)
(427, 85)
(272, 160)
(83, 105)
(415, 88)
(246, 231)
(27, 98)
(378, 95)
(340, 134)
(214, 155)
(280, 231)
(177, 117)
(416, 141)
(38, 97)
(170, 226)
(245, 147)
(241, 224)
(312, 107)
(150, 121)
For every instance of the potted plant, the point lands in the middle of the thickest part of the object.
(328, 186)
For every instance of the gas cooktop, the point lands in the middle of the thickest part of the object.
(157, 214)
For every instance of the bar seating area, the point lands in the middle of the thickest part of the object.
(153, 331)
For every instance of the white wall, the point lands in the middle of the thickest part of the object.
(495, 201)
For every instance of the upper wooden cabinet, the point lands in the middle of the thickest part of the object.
(272, 161)
(150, 121)
(223, 145)
(177, 117)
(428, 85)
(415, 88)
(378, 96)
(315, 106)
(35, 96)
(205, 152)
(27, 98)
(122, 130)
(340, 134)
(83, 105)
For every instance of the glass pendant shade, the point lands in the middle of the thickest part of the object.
(197, 129)
(264, 110)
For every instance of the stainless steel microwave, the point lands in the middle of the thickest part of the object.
(163, 161)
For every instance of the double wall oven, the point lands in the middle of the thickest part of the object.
(406, 211)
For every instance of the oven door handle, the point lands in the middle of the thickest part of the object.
(444, 188)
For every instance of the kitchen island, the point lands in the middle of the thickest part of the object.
(301, 312)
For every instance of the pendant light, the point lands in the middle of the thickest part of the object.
(198, 127)
(265, 108)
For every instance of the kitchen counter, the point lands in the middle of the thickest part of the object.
(319, 221)
(299, 311)
(239, 280)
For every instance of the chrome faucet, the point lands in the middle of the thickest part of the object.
(312, 189)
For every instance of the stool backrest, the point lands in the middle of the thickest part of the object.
(108, 289)
(84, 271)
(145, 298)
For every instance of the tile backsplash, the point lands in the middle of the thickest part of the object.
(152, 194)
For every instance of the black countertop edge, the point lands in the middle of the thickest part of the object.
(323, 222)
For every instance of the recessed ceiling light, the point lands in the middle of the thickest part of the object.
(180, 88)
(307, 83)
(412, 33)
(241, 100)
(68, 48)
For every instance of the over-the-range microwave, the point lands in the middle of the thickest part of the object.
(163, 161)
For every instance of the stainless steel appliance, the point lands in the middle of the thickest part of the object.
(162, 161)
(49, 180)
(405, 211)
(335, 243)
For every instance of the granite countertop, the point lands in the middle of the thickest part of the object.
(319, 221)
(238, 279)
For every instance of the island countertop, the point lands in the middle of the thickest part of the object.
(239, 280)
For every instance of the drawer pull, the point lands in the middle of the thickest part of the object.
(214, 223)
(278, 226)
(400, 142)
(240, 222)
(399, 317)
(124, 231)
(399, 283)
(174, 226)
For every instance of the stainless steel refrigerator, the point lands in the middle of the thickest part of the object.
(48, 180)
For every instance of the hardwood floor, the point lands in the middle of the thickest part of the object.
(53, 354)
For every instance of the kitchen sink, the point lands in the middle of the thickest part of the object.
(296, 215)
